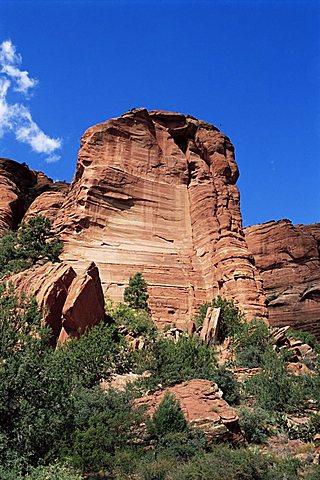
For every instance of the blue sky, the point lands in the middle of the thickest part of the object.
(252, 68)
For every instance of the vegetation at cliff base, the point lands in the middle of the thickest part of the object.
(60, 419)
(33, 242)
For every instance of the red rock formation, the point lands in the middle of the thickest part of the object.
(156, 192)
(203, 407)
(19, 187)
(70, 303)
(16, 182)
(288, 257)
(49, 202)
(84, 305)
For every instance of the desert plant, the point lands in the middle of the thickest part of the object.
(254, 423)
(231, 317)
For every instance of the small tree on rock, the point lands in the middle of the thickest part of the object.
(135, 295)
(167, 419)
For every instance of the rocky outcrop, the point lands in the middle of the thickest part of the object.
(16, 182)
(156, 192)
(49, 202)
(288, 258)
(203, 407)
(19, 187)
(84, 305)
(70, 303)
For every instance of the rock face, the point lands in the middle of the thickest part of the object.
(203, 406)
(49, 202)
(70, 303)
(288, 257)
(84, 305)
(16, 182)
(19, 187)
(156, 192)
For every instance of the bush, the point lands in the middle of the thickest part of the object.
(100, 351)
(254, 423)
(227, 382)
(274, 389)
(168, 418)
(34, 241)
(137, 321)
(104, 424)
(225, 463)
(305, 337)
(135, 295)
(175, 362)
(53, 472)
(253, 343)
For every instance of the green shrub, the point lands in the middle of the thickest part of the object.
(305, 337)
(137, 321)
(304, 431)
(275, 389)
(53, 472)
(175, 362)
(34, 241)
(100, 351)
(157, 469)
(225, 463)
(254, 423)
(168, 418)
(135, 295)
(227, 382)
(104, 424)
(252, 345)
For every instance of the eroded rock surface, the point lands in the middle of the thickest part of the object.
(19, 186)
(70, 302)
(203, 406)
(288, 257)
(84, 305)
(156, 192)
(49, 202)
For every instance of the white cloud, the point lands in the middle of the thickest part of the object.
(8, 53)
(21, 77)
(16, 117)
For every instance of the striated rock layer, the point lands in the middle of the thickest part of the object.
(156, 192)
(19, 186)
(288, 257)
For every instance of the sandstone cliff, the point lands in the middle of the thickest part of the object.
(288, 258)
(156, 192)
(19, 187)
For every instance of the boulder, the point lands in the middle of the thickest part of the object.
(70, 303)
(50, 285)
(84, 305)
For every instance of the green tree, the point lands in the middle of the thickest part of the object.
(34, 241)
(135, 295)
(168, 418)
